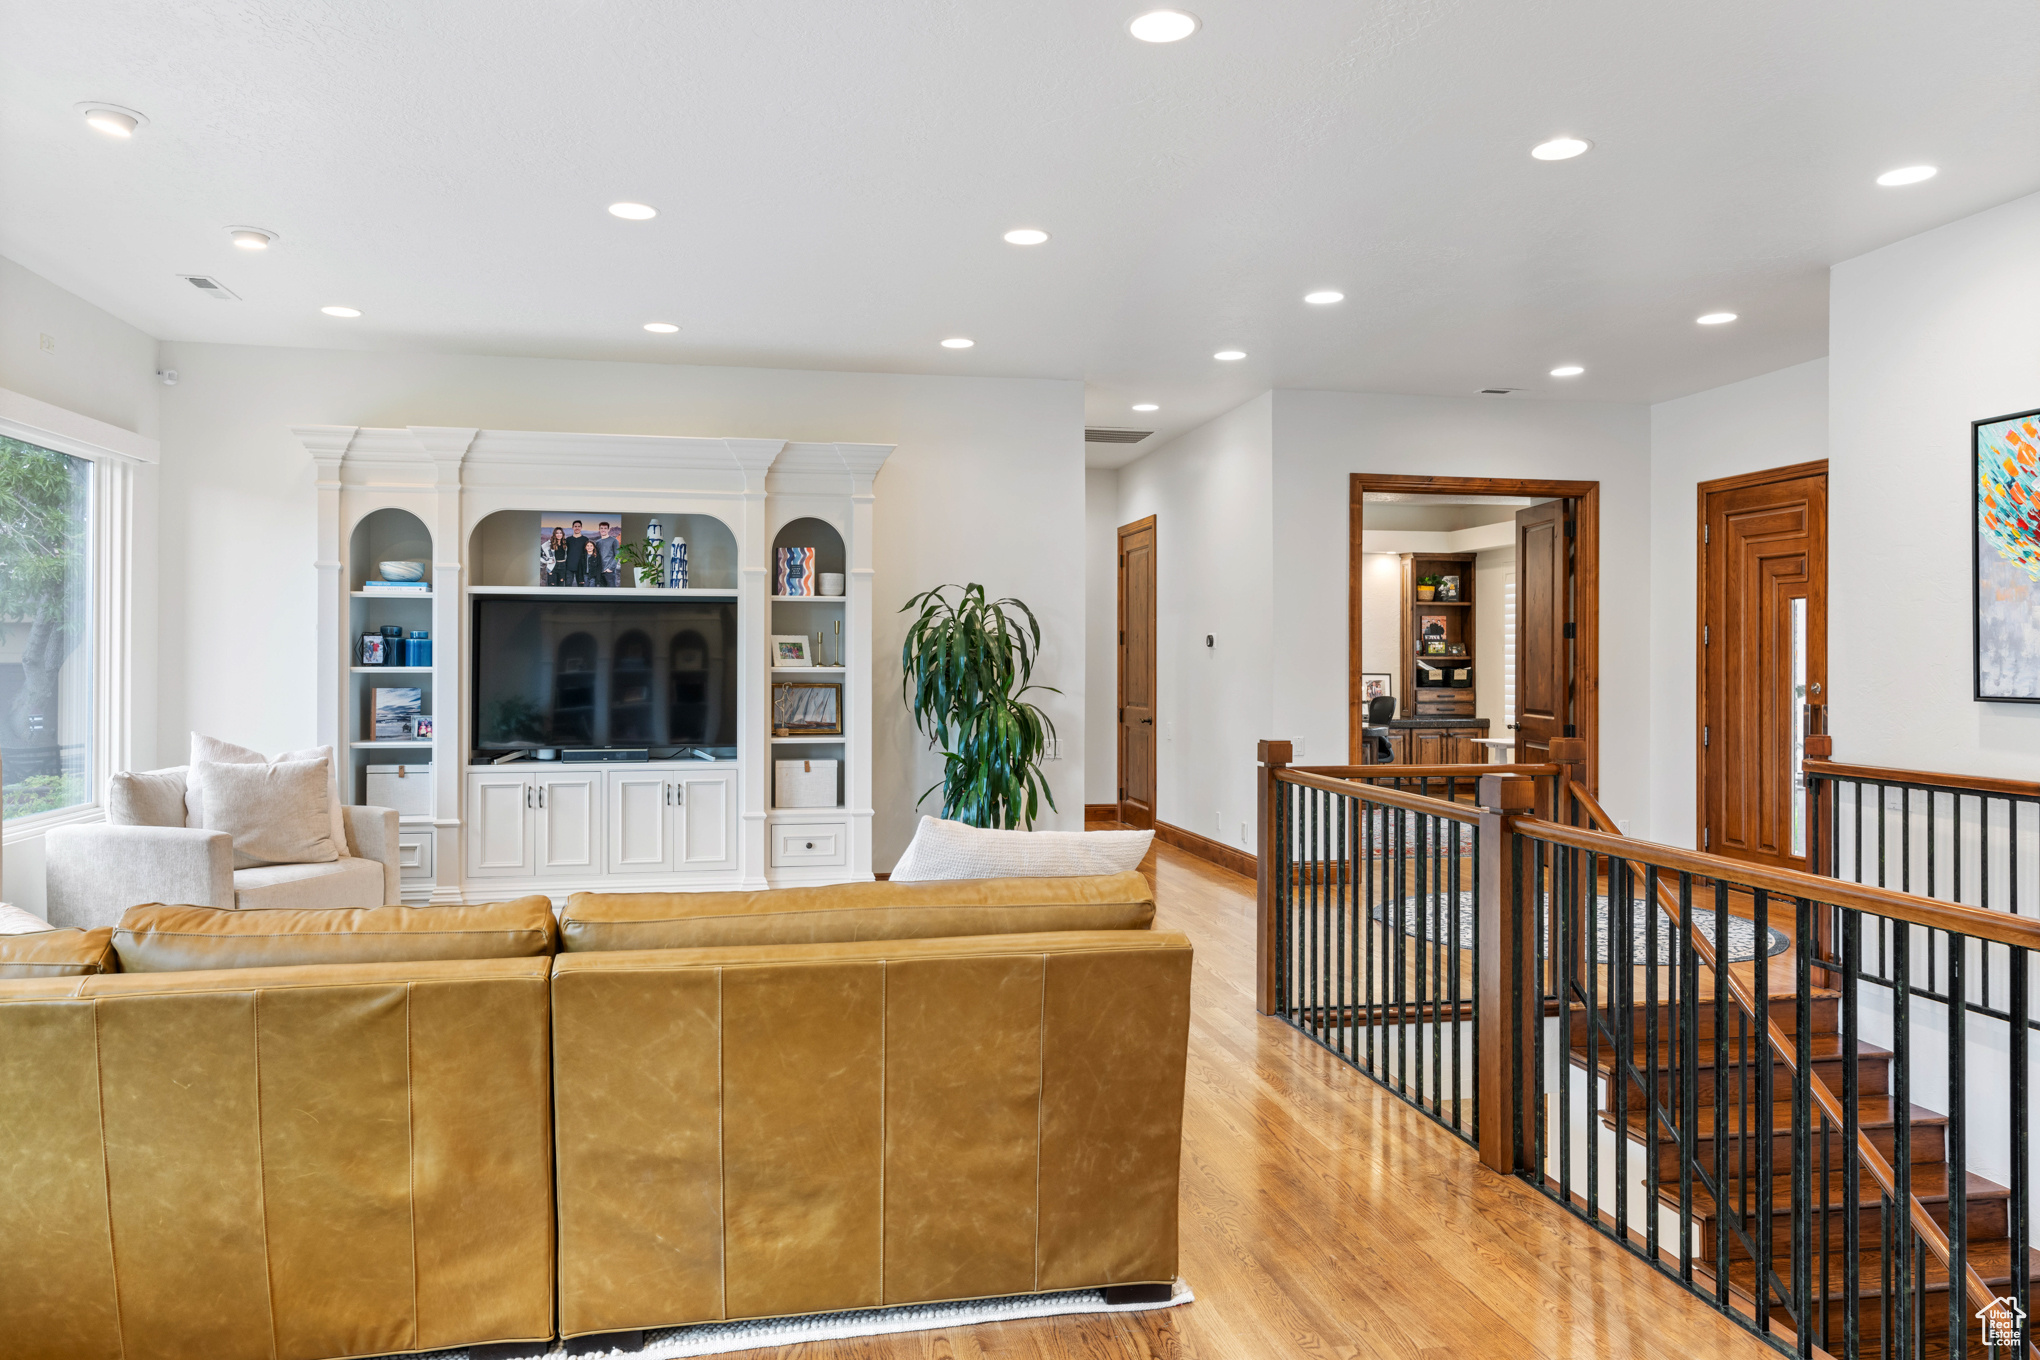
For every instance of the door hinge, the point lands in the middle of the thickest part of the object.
(1706, 839)
(1706, 736)
(1707, 533)
(1122, 715)
(1706, 635)
(1122, 637)
(1569, 631)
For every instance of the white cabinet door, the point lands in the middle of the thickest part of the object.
(499, 825)
(640, 824)
(706, 817)
(570, 823)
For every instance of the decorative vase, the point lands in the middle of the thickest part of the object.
(676, 564)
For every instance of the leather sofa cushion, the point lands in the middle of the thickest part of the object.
(843, 912)
(280, 1162)
(168, 939)
(808, 1128)
(57, 953)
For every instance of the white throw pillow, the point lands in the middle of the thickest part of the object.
(214, 751)
(147, 798)
(945, 850)
(15, 921)
(276, 811)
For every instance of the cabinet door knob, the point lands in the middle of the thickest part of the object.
(810, 845)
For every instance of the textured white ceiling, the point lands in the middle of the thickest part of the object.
(834, 178)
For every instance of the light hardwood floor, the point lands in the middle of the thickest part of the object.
(1322, 1217)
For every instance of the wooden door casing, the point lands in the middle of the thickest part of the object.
(1763, 545)
(1137, 673)
(1544, 601)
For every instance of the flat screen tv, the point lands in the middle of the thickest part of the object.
(594, 673)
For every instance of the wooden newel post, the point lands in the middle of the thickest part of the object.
(1508, 999)
(1269, 860)
(1570, 752)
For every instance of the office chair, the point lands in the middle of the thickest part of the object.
(1374, 733)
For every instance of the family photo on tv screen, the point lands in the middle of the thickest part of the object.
(580, 549)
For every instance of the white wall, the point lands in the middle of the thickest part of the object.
(1101, 635)
(96, 365)
(1925, 336)
(1321, 438)
(1209, 491)
(1771, 421)
(987, 484)
(1494, 575)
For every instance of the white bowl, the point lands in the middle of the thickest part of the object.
(402, 571)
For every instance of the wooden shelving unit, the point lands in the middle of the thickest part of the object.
(1448, 621)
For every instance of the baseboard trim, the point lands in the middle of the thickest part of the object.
(1205, 848)
(1101, 812)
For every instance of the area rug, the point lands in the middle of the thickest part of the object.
(1742, 933)
(722, 1338)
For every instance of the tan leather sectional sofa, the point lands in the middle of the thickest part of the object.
(319, 1134)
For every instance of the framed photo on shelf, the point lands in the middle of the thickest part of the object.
(1448, 588)
(396, 712)
(807, 708)
(579, 548)
(1455, 649)
(422, 726)
(1376, 685)
(1433, 629)
(790, 651)
(1435, 648)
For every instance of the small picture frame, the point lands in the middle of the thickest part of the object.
(790, 652)
(1434, 649)
(1376, 685)
(423, 725)
(1448, 588)
(807, 708)
(1455, 649)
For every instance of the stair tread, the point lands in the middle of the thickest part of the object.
(1991, 1260)
(1872, 1112)
(1929, 1186)
(1825, 1048)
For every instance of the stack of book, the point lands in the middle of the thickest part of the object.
(397, 587)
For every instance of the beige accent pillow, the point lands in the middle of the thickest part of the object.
(149, 798)
(278, 812)
(15, 921)
(944, 850)
(215, 751)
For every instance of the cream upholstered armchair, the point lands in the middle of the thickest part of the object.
(145, 852)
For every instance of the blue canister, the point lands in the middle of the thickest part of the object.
(418, 649)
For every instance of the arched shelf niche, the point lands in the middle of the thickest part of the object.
(386, 535)
(809, 532)
(503, 550)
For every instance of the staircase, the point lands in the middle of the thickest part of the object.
(1620, 1108)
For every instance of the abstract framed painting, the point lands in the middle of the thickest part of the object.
(2005, 465)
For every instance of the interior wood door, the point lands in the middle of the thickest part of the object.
(1544, 627)
(1137, 673)
(1763, 656)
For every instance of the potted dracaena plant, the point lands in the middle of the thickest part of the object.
(966, 666)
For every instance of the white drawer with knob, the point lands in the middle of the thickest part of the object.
(795, 844)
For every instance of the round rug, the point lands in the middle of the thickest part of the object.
(1742, 933)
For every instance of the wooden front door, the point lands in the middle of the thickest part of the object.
(1763, 656)
(1544, 628)
(1137, 673)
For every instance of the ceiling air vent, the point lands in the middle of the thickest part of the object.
(211, 287)
(1498, 391)
(1115, 436)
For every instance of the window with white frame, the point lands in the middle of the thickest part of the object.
(47, 630)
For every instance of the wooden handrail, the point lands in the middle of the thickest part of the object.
(2020, 932)
(1958, 783)
(1396, 798)
(1426, 771)
(1784, 1045)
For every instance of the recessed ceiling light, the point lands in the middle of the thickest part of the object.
(1567, 371)
(1561, 149)
(1715, 318)
(633, 212)
(112, 119)
(957, 342)
(1911, 174)
(1163, 26)
(661, 327)
(1230, 354)
(340, 311)
(1324, 297)
(251, 238)
(1145, 406)
(1026, 236)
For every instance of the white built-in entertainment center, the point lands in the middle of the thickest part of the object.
(467, 503)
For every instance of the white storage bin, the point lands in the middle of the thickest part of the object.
(804, 783)
(407, 788)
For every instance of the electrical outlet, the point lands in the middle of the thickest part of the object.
(1217, 822)
(1243, 833)
(1052, 749)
